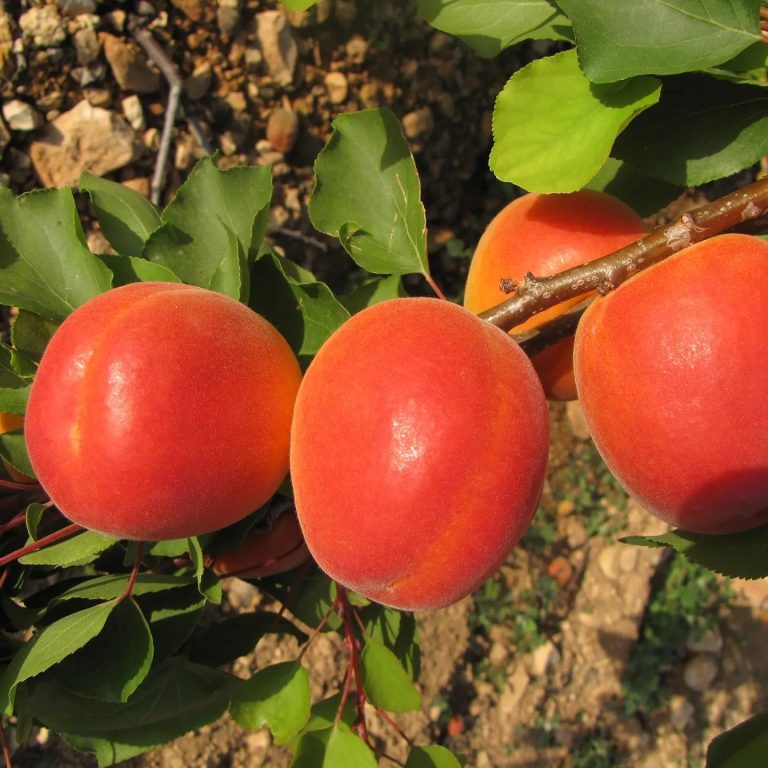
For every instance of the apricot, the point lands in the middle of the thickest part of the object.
(418, 452)
(267, 552)
(547, 234)
(162, 411)
(671, 373)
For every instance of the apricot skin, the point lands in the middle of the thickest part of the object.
(546, 234)
(162, 411)
(418, 452)
(266, 553)
(671, 373)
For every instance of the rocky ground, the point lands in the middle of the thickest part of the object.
(550, 664)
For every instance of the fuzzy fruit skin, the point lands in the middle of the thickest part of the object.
(161, 411)
(418, 452)
(266, 553)
(671, 371)
(546, 234)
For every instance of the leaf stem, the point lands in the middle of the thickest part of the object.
(535, 294)
(319, 628)
(134, 571)
(435, 287)
(4, 741)
(345, 610)
(51, 538)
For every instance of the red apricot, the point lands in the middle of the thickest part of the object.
(418, 452)
(671, 373)
(266, 552)
(161, 410)
(546, 234)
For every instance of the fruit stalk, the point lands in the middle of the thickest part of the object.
(535, 294)
(345, 609)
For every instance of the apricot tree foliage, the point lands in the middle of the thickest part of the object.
(112, 644)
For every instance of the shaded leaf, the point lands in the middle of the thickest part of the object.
(702, 129)
(432, 757)
(744, 746)
(129, 269)
(372, 291)
(30, 334)
(737, 555)
(397, 631)
(126, 217)
(13, 449)
(553, 129)
(113, 585)
(625, 38)
(208, 582)
(78, 550)
(171, 627)
(276, 696)
(387, 685)
(14, 389)
(493, 25)
(35, 513)
(46, 266)
(311, 603)
(299, 5)
(368, 194)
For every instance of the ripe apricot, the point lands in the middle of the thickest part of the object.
(418, 452)
(671, 373)
(161, 411)
(266, 552)
(547, 234)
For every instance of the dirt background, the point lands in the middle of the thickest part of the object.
(550, 664)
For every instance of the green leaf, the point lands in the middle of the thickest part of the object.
(228, 278)
(169, 548)
(176, 697)
(345, 748)
(309, 604)
(209, 208)
(35, 513)
(50, 646)
(703, 129)
(625, 38)
(643, 194)
(368, 194)
(553, 129)
(490, 26)
(208, 582)
(171, 627)
(397, 631)
(45, 265)
(113, 665)
(299, 5)
(278, 697)
(744, 746)
(126, 217)
(129, 269)
(14, 450)
(114, 584)
(14, 390)
(30, 334)
(387, 685)
(373, 290)
(236, 636)
(305, 313)
(78, 550)
(432, 757)
(737, 555)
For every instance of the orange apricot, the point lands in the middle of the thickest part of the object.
(671, 373)
(418, 452)
(266, 552)
(161, 411)
(547, 234)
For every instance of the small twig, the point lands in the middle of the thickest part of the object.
(344, 694)
(51, 538)
(33, 486)
(435, 287)
(535, 294)
(306, 239)
(319, 628)
(14, 522)
(394, 726)
(385, 756)
(154, 50)
(4, 741)
(345, 610)
(134, 571)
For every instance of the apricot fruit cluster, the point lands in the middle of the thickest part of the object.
(418, 452)
(161, 411)
(670, 370)
(547, 234)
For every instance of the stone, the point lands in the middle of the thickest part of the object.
(628, 559)
(192, 9)
(278, 46)
(21, 116)
(237, 101)
(97, 97)
(6, 45)
(681, 712)
(140, 184)
(115, 20)
(87, 44)
(544, 659)
(198, 83)
(369, 95)
(85, 138)
(577, 421)
(228, 16)
(608, 559)
(129, 66)
(346, 11)
(337, 87)
(74, 8)
(5, 137)
(134, 113)
(253, 58)
(700, 672)
(43, 27)
(282, 129)
(357, 49)
(418, 124)
(710, 641)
